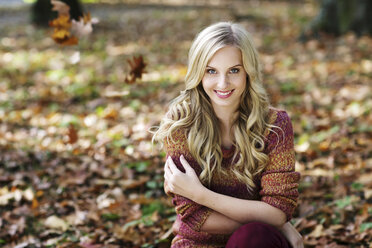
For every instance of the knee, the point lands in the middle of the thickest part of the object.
(256, 234)
(255, 229)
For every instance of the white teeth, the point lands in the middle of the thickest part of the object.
(224, 93)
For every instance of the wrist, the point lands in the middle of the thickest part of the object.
(284, 227)
(199, 196)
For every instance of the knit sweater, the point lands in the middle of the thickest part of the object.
(277, 185)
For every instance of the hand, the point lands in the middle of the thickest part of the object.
(292, 235)
(176, 226)
(185, 184)
(166, 189)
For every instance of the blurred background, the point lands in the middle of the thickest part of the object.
(77, 166)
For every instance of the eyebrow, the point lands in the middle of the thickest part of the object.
(229, 67)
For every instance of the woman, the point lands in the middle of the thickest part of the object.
(230, 157)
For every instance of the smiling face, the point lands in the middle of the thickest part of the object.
(224, 79)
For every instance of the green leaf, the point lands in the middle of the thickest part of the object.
(100, 110)
(147, 246)
(132, 223)
(328, 196)
(152, 184)
(336, 177)
(344, 202)
(162, 154)
(73, 238)
(121, 142)
(172, 218)
(135, 104)
(147, 221)
(56, 75)
(110, 216)
(139, 166)
(303, 139)
(152, 207)
(357, 186)
(322, 135)
(288, 87)
(370, 211)
(70, 119)
(336, 218)
(303, 185)
(365, 226)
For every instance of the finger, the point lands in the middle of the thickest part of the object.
(169, 166)
(166, 185)
(167, 189)
(167, 172)
(172, 166)
(165, 176)
(186, 164)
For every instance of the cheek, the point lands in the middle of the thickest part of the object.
(207, 83)
(243, 82)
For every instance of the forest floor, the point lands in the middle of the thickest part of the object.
(77, 166)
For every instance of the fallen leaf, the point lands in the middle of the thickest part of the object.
(137, 67)
(61, 7)
(317, 232)
(55, 222)
(72, 134)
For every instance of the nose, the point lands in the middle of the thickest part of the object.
(222, 82)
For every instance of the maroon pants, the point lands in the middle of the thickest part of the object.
(257, 234)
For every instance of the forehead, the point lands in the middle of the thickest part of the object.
(226, 56)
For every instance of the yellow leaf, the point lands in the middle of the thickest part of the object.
(317, 232)
(62, 22)
(60, 34)
(56, 223)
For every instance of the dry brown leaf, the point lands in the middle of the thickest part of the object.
(35, 203)
(72, 134)
(61, 22)
(132, 183)
(60, 7)
(61, 33)
(137, 68)
(66, 30)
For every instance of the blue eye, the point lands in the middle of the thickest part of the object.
(234, 70)
(211, 71)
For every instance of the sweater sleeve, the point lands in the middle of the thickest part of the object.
(190, 213)
(279, 181)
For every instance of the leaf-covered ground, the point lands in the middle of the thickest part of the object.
(77, 167)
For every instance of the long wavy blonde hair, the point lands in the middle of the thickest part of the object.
(193, 111)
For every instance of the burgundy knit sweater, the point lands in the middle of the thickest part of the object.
(277, 185)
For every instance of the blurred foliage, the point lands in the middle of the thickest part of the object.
(77, 166)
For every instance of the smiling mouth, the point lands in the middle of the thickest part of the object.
(223, 94)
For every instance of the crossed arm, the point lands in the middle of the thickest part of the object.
(204, 210)
(228, 209)
(230, 213)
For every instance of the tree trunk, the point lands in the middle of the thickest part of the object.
(337, 17)
(42, 11)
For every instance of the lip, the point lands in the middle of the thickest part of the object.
(223, 96)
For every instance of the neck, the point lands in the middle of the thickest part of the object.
(226, 116)
(226, 120)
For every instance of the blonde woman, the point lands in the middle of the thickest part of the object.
(230, 157)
